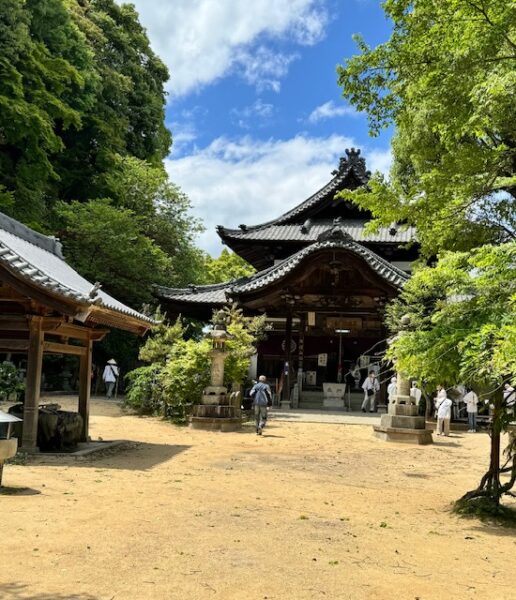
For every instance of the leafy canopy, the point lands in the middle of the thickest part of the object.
(462, 316)
(446, 79)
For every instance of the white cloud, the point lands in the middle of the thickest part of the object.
(329, 110)
(251, 181)
(203, 40)
(257, 113)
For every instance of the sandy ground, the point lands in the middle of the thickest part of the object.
(308, 511)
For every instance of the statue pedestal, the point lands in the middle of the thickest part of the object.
(402, 424)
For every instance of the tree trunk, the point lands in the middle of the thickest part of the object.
(490, 489)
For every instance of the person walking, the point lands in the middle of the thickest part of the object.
(110, 376)
(261, 395)
(370, 387)
(471, 400)
(444, 417)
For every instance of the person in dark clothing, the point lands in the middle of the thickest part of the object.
(261, 395)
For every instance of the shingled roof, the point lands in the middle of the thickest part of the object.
(38, 260)
(310, 232)
(337, 239)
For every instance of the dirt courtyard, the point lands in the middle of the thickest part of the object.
(307, 511)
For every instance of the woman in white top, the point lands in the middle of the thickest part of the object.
(370, 387)
(471, 400)
(444, 417)
(441, 395)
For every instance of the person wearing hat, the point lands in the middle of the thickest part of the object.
(110, 376)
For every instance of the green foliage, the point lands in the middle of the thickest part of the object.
(164, 214)
(10, 381)
(462, 319)
(224, 268)
(106, 243)
(180, 368)
(446, 80)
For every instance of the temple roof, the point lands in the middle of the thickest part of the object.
(336, 239)
(310, 232)
(262, 244)
(38, 261)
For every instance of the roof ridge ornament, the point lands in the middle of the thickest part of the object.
(354, 161)
(335, 234)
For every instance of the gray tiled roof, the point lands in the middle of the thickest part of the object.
(221, 293)
(295, 233)
(38, 259)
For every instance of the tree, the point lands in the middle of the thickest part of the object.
(446, 79)
(462, 327)
(127, 117)
(43, 88)
(179, 367)
(224, 268)
(106, 243)
(164, 214)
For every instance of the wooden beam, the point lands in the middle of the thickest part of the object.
(14, 345)
(85, 390)
(59, 326)
(14, 323)
(56, 348)
(33, 386)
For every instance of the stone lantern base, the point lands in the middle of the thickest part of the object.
(216, 413)
(402, 424)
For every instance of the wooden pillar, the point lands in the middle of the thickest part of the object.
(288, 358)
(33, 385)
(301, 356)
(84, 390)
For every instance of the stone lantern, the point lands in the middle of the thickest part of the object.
(8, 445)
(402, 422)
(215, 411)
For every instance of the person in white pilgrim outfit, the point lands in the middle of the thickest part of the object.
(444, 417)
(415, 393)
(471, 400)
(391, 389)
(509, 397)
(370, 387)
(110, 375)
(441, 395)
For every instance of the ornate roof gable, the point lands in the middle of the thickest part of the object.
(351, 173)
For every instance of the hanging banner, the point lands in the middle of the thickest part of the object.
(322, 360)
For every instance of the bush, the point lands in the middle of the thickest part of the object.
(180, 368)
(10, 381)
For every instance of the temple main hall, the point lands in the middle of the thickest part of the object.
(323, 281)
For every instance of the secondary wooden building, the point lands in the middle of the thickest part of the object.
(322, 280)
(47, 307)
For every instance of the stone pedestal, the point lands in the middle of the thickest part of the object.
(216, 412)
(402, 423)
(285, 404)
(333, 403)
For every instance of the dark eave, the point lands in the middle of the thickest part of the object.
(185, 300)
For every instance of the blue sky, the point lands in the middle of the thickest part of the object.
(254, 108)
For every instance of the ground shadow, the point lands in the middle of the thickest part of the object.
(18, 591)
(130, 456)
(18, 491)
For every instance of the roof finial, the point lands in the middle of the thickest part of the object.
(354, 161)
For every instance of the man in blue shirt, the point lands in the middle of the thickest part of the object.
(261, 395)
